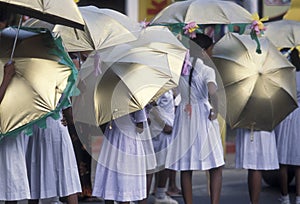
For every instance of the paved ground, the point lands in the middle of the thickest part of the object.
(234, 188)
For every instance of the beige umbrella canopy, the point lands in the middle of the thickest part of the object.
(36, 23)
(208, 16)
(43, 75)
(284, 33)
(63, 12)
(203, 12)
(260, 88)
(131, 76)
(104, 28)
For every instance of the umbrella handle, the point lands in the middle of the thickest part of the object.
(15, 41)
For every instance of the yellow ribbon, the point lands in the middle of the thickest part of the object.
(259, 21)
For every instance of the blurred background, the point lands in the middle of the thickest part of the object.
(141, 10)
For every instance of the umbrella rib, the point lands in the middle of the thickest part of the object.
(33, 89)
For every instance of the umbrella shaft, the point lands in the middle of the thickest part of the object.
(16, 38)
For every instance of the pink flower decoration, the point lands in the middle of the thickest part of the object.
(190, 29)
(257, 24)
(144, 23)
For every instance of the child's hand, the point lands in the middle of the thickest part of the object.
(9, 71)
(149, 121)
(213, 114)
(64, 121)
(167, 129)
(139, 127)
(188, 109)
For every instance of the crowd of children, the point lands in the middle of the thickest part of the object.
(157, 139)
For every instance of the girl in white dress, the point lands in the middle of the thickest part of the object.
(13, 180)
(255, 152)
(196, 140)
(288, 140)
(162, 115)
(123, 160)
(51, 163)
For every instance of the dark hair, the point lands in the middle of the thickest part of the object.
(202, 40)
(73, 55)
(295, 59)
(4, 14)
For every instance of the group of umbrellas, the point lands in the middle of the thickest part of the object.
(129, 66)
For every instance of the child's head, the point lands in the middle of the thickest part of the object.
(295, 60)
(3, 18)
(201, 41)
(293, 56)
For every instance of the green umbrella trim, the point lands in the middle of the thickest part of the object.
(59, 51)
(253, 35)
(177, 28)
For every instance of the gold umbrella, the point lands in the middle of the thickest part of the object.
(104, 28)
(203, 12)
(54, 11)
(44, 73)
(260, 88)
(131, 76)
(284, 33)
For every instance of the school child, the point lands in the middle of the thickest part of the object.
(196, 142)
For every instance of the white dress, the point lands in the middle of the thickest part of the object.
(51, 162)
(124, 158)
(196, 141)
(259, 154)
(163, 113)
(288, 134)
(13, 180)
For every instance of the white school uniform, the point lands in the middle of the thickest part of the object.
(288, 134)
(196, 141)
(163, 113)
(13, 180)
(257, 151)
(51, 162)
(124, 159)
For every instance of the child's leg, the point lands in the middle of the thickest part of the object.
(162, 178)
(186, 186)
(149, 182)
(283, 172)
(254, 185)
(33, 201)
(215, 176)
(72, 199)
(297, 177)
(160, 194)
(155, 182)
(172, 187)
